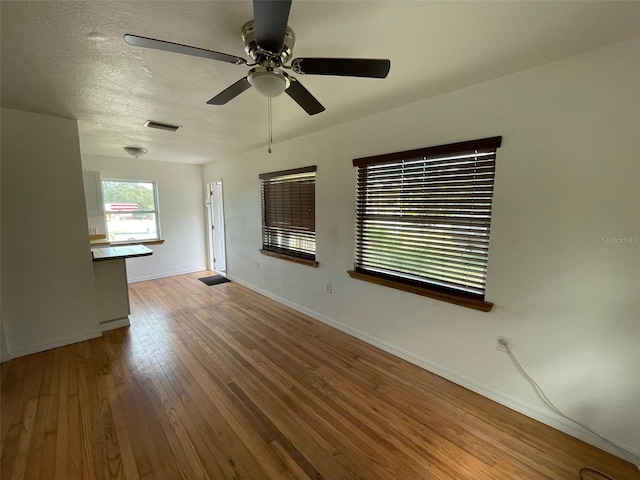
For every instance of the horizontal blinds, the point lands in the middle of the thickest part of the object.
(426, 220)
(289, 212)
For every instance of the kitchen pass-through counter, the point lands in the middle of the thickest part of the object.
(125, 251)
(110, 273)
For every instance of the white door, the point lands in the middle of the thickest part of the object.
(217, 250)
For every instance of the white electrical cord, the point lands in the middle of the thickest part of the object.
(505, 344)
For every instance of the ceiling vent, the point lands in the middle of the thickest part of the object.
(161, 126)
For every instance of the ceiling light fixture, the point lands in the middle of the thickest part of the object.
(135, 151)
(270, 82)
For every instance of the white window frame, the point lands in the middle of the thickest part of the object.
(155, 211)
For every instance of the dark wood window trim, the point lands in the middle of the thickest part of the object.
(301, 261)
(400, 223)
(460, 147)
(455, 298)
(282, 173)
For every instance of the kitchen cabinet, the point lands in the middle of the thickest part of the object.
(93, 193)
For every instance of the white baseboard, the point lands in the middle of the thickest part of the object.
(113, 324)
(543, 416)
(50, 345)
(166, 274)
(103, 327)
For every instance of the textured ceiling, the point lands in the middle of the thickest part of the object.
(69, 59)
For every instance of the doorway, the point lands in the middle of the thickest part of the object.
(216, 235)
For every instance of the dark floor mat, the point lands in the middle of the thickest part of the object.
(214, 280)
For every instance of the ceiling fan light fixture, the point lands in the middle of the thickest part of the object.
(135, 151)
(270, 82)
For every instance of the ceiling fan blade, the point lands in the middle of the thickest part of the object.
(303, 97)
(348, 67)
(271, 17)
(231, 92)
(137, 41)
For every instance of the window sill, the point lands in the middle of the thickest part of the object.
(138, 242)
(426, 292)
(301, 261)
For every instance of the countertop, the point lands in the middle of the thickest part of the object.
(125, 251)
(98, 240)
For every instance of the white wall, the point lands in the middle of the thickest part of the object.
(48, 294)
(567, 180)
(4, 350)
(47, 270)
(181, 204)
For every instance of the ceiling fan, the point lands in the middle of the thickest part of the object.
(269, 42)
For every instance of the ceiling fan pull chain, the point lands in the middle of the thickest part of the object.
(270, 121)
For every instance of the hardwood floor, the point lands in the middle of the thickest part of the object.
(221, 383)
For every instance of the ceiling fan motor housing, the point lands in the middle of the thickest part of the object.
(264, 57)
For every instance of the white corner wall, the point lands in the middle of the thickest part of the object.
(182, 213)
(564, 263)
(47, 270)
(4, 350)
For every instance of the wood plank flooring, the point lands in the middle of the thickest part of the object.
(221, 383)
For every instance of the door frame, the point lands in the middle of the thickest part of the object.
(212, 231)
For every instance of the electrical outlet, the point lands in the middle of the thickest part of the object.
(502, 342)
(257, 265)
(329, 288)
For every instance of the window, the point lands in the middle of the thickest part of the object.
(423, 219)
(289, 215)
(131, 209)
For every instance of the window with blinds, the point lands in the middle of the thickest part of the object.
(289, 214)
(423, 220)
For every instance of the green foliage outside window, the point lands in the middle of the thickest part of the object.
(129, 192)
